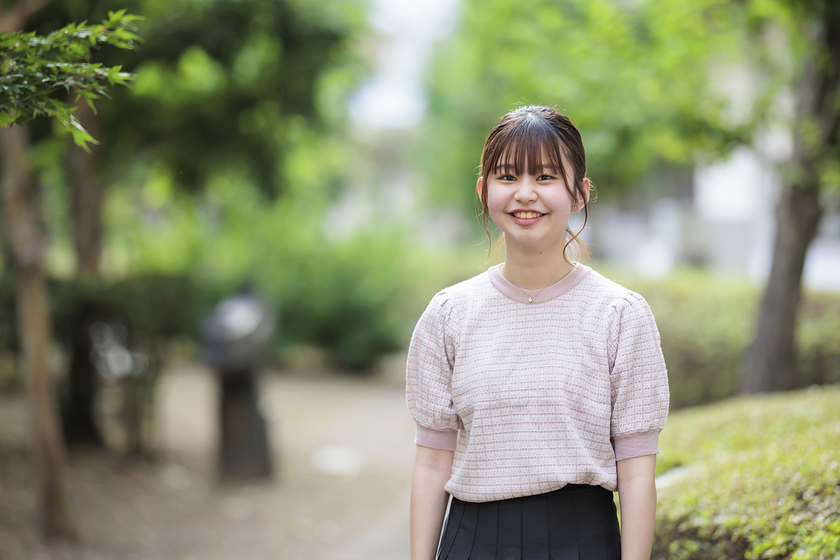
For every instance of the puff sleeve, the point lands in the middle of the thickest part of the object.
(431, 357)
(638, 379)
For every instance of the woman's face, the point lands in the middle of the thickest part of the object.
(532, 208)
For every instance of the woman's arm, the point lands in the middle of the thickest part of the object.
(637, 498)
(432, 468)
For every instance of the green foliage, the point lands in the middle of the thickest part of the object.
(360, 298)
(223, 156)
(355, 295)
(354, 299)
(706, 323)
(761, 479)
(634, 77)
(819, 352)
(221, 85)
(35, 68)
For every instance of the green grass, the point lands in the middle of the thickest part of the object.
(759, 478)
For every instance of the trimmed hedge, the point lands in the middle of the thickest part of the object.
(759, 477)
(153, 308)
(361, 298)
(706, 322)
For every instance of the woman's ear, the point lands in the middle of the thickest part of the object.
(587, 185)
(478, 185)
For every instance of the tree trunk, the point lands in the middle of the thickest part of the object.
(771, 364)
(86, 217)
(78, 405)
(14, 17)
(22, 214)
(56, 515)
(87, 198)
(770, 359)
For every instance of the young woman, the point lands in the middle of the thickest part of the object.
(538, 387)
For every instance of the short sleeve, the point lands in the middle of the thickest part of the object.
(429, 377)
(638, 378)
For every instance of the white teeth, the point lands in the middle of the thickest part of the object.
(527, 215)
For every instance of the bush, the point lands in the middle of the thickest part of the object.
(818, 338)
(761, 479)
(347, 300)
(706, 323)
(154, 307)
(358, 298)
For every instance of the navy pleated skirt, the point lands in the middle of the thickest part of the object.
(577, 522)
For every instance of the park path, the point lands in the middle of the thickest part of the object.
(343, 449)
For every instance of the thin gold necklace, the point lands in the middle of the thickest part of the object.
(531, 297)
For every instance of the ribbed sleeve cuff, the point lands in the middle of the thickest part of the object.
(436, 439)
(636, 445)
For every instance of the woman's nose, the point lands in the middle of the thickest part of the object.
(526, 191)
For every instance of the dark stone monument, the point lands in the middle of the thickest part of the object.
(234, 339)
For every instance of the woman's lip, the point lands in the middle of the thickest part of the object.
(526, 221)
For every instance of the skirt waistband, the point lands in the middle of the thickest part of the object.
(576, 522)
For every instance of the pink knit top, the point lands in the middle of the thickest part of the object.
(534, 396)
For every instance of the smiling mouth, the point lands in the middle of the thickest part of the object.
(527, 215)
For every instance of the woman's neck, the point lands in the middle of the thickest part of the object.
(535, 272)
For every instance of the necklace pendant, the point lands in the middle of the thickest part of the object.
(530, 299)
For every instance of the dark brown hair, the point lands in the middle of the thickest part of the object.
(528, 138)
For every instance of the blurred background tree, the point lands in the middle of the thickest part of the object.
(634, 76)
(645, 83)
(221, 87)
(226, 88)
(813, 28)
(34, 68)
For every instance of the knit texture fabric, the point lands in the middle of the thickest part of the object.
(534, 396)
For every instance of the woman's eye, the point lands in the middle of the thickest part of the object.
(507, 178)
(545, 178)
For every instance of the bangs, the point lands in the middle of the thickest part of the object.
(527, 146)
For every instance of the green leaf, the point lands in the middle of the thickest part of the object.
(81, 137)
(34, 67)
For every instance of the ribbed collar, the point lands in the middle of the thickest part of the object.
(512, 291)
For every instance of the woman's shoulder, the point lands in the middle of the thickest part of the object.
(450, 305)
(464, 291)
(609, 293)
